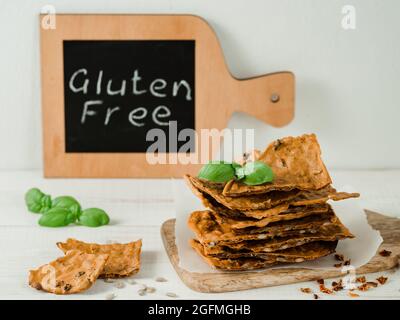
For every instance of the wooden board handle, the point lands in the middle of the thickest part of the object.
(269, 98)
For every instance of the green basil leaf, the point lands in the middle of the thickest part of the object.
(93, 217)
(57, 217)
(217, 171)
(68, 203)
(257, 173)
(37, 201)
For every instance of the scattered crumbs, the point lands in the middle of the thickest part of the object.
(305, 290)
(316, 296)
(337, 286)
(372, 284)
(161, 279)
(382, 279)
(110, 296)
(150, 290)
(108, 280)
(347, 262)
(321, 281)
(339, 257)
(119, 285)
(361, 279)
(367, 285)
(324, 289)
(337, 265)
(142, 292)
(132, 281)
(353, 295)
(385, 253)
(171, 295)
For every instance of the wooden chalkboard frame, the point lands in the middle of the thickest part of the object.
(226, 94)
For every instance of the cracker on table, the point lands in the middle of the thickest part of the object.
(296, 163)
(72, 273)
(123, 261)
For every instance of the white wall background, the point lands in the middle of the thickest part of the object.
(347, 81)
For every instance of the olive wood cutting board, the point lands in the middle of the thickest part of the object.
(388, 227)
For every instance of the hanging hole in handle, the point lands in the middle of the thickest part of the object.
(274, 98)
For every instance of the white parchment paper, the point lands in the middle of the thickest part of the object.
(360, 250)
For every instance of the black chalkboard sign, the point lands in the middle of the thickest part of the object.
(116, 91)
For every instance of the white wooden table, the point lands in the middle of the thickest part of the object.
(137, 209)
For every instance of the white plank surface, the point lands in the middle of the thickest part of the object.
(137, 209)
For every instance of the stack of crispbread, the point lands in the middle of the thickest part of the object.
(287, 220)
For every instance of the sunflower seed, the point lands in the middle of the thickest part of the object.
(110, 296)
(161, 279)
(171, 295)
(150, 290)
(119, 285)
(142, 292)
(107, 280)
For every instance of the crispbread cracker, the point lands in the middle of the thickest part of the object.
(309, 251)
(331, 232)
(303, 199)
(230, 264)
(123, 261)
(72, 273)
(240, 263)
(254, 202)
(296, 163)
(290, 214)
(210, 231)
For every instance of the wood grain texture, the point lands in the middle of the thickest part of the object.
(217, 96)
(389, 229)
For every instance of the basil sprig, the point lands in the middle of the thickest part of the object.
(37, 201)
(57, 217)
(93, 217)
(63, 211)
(252, 173)
(217, 171)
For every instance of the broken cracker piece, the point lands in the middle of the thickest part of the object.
(367, 285)
(73, 273)
(339, 257)
(123, 261)
(324, 289)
